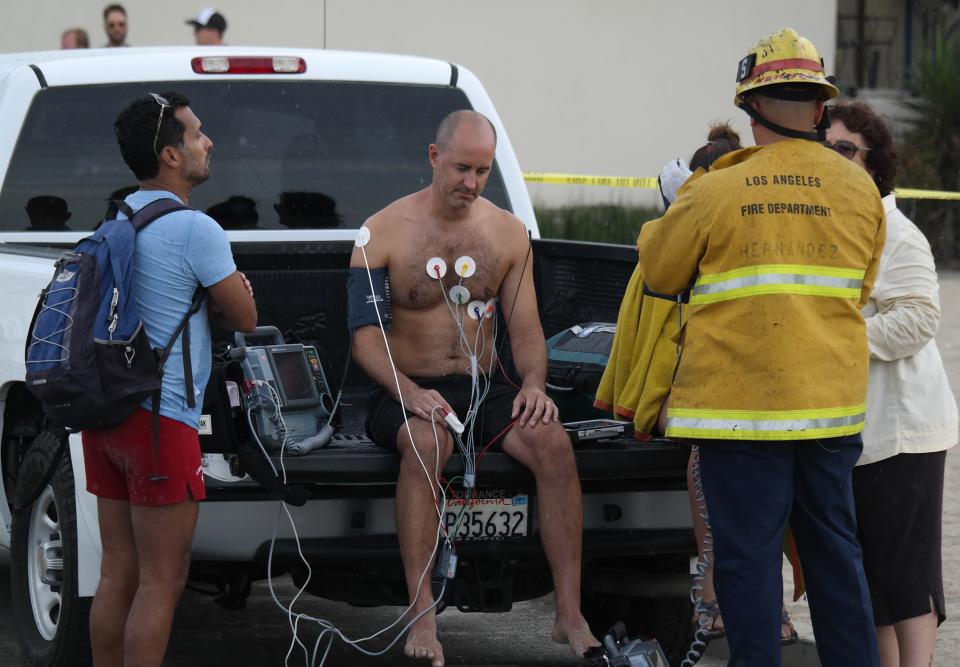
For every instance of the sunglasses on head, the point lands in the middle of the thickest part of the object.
(847, 149)
(164, 105)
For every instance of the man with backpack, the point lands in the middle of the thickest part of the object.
(146, 472)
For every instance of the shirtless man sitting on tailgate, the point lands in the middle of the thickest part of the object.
(432, 338)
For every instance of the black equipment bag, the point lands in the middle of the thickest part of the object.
(577, 357)
(220, 415)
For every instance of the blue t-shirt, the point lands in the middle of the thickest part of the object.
(174, 254)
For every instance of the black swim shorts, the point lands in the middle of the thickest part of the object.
(385, 418)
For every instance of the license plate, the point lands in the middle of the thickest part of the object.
(492, 515)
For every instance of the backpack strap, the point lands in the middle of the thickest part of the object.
(155, 476)
(113, 206)
(183, 331)
(118, 206)
(152, 211)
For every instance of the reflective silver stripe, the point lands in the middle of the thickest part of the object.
(773, 425)
(777, 279)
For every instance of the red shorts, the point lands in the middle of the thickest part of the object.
(119, 461)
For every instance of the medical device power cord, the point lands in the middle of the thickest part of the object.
(701, 635)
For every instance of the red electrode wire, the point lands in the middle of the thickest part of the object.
(495, 438)
(505, 376)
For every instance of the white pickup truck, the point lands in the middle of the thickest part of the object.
(308, 144)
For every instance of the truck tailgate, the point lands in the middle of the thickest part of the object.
(356, 459)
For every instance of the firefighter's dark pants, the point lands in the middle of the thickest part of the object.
(752, 489)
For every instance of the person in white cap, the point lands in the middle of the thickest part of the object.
(208, 27)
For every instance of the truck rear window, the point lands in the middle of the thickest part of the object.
(304, 154)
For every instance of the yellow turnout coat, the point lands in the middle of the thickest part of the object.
(783, 242)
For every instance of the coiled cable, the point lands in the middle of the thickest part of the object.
(702, 634)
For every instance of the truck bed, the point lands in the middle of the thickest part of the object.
(577, 282)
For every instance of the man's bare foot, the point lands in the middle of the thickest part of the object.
(576, 634)
(422, 642)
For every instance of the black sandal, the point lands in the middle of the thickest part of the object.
(792, 638)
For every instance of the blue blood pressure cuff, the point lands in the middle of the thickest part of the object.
(362, 305)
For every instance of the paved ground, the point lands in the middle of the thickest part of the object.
(204, 634)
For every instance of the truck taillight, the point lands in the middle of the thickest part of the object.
(249, 65)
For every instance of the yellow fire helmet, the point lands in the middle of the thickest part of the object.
(781, 59)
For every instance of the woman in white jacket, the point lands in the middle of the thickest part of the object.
(911, 416)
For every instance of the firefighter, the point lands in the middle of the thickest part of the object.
(781, 243)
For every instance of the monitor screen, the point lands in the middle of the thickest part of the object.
(293, 376)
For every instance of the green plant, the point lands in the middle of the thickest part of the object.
(936, 133)
(930, 152)
(605, 223)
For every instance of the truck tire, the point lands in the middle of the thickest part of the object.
(602, 610)
(668, 620)
(51, 621)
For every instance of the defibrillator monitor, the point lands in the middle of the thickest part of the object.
(292, 372)
(288, 398)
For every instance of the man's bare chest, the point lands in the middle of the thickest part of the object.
(472, 266)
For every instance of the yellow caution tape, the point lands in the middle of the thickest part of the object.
(606, 181)
(650, 183)
(909, 193)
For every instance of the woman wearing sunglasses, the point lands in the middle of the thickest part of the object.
(911, 415)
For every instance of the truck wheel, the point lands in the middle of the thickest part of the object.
(602, 610)
(668, 620)
(51, 621)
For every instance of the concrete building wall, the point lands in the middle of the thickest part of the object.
(612, 87)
